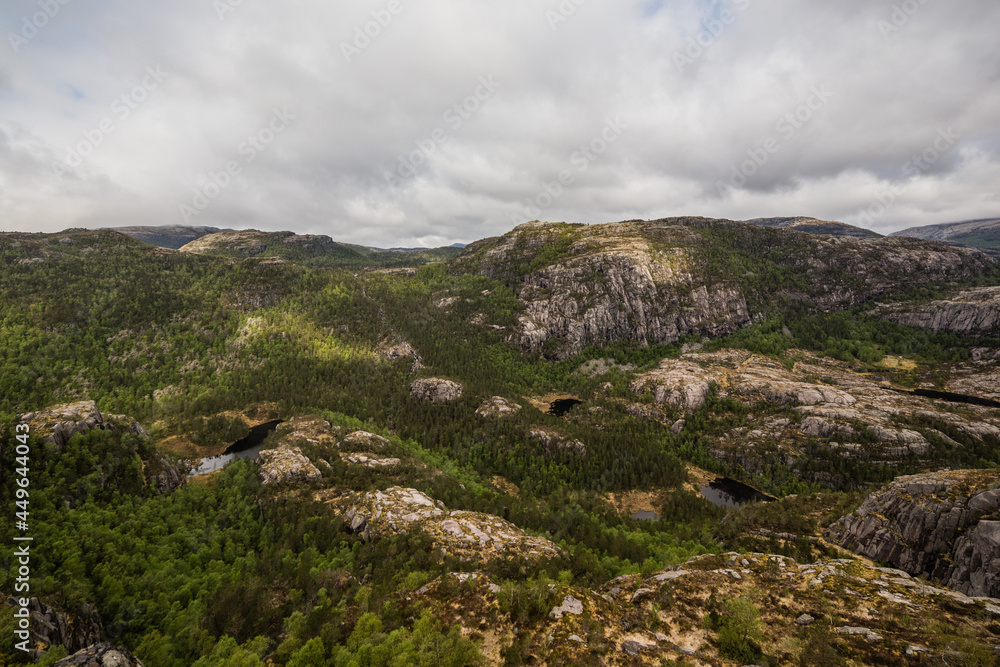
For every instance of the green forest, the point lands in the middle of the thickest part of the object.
(226, 572)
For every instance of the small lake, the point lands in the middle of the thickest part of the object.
(563, 405)
(244, 448)
(727, 492)
(644, 515)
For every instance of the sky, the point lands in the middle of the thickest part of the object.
(396, 123)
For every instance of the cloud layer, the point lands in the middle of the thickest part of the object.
(392, 123)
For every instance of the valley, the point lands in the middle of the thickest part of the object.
(682, 441)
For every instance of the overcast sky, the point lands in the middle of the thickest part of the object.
(454, 120)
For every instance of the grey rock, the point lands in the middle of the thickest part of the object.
(971, 312)
(101, 655)
(920, 525)
(642, 594)
(436, 390)
(868, 634)
(570, 605)
(805, 619)
(56, 628)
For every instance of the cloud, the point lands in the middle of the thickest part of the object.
(700, 87)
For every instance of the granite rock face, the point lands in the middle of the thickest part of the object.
(655, 282)
(286, 463)
(943, 524)
(52, 627)
(436, 390)
(974, 312)
(467, 535)
(101, 655)
(59, 423)
(852, 413)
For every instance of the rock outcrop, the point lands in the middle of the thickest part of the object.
(654, 282)
(101, 655)
(59, 423)
(973, 312)
(51, 627)
(554, 441)
(497, 406)
(653, 619)
(467, 535)
(285, 463)
(852, 413)
(944, 524)
(436, 390)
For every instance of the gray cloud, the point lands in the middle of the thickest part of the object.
(696, 87)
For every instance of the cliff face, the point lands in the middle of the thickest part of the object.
(655, 282)
(944, 524)
(607, 283)
(973, 312)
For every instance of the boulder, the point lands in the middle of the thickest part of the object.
(467, 535)
(285, 464)
(436, 390)
(496, 407)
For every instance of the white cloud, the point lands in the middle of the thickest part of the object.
(687, 126)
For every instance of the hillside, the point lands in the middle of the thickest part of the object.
(655, 282)
(983, 233)
(814, 226)
(513, 457)
(309, 249)
(168, 236)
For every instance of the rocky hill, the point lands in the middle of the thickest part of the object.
(819, 405)
(973, 312)
(814, 226)
(655, 282)
(280, 245)
(168, 236)
(983, 233)
(945, 525)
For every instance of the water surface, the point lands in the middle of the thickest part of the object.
(727, 492)
(244, 448)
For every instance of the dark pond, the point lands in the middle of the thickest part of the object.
(244, 448)
(562, 406)
(644, 515)
(727, 492)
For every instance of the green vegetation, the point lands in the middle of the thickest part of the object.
(185, 343)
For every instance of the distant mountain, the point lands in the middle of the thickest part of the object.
(311, 249)
(814, 226)
(984, 233)
(168, 236)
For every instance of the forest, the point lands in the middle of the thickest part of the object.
(182, 342)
